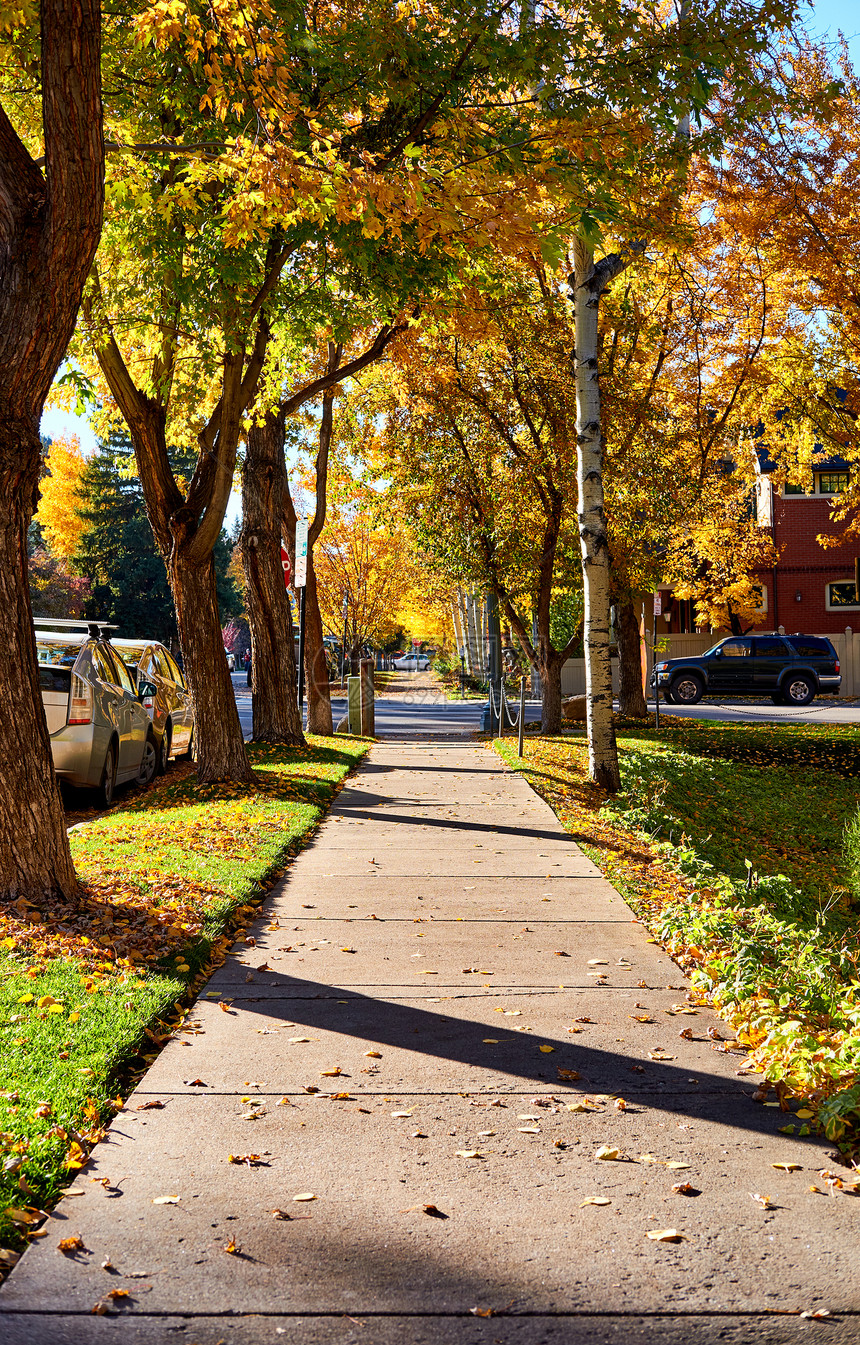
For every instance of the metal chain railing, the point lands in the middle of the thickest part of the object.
(500, 712)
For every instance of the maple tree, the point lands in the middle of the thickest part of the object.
(59, 489)
(49, 228)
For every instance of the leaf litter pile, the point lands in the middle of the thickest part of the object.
(726, 841)
(85, 989)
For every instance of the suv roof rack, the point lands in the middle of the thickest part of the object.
(93, 628)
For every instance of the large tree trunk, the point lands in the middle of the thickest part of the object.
(549, 670)
(221, 751)
(35, 862)
(276, 717)
(602, 748)
(316, 668)
(49, 231)
(631, 697)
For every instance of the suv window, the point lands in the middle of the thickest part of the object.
(808, 646)
(736, 648)
(771, 646)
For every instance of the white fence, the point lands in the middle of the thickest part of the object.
(847, 647)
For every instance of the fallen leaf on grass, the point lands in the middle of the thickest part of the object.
(804, 1114)
(8, 1258)
(595, 1200)
(166, 1200)
(25, 1216)
(665, 1235)
(608, 1153)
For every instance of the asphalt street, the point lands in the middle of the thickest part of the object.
(432, 714)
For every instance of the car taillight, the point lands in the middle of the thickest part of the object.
(148, 702)
(80, 701)
(837, 665)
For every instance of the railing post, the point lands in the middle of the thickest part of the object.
(522, 724)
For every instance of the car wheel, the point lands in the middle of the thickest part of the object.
(164, 751)
(148, 762)
(107, 784)
(687, 689)
(798, 690)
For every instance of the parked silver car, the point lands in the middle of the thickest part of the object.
(170, 709)
(101, 735)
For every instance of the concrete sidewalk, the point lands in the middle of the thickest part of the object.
(449, 949)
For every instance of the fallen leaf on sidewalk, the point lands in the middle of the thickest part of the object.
(607, 1152)
(595, 1200)
(788, 1167)
(684, 1189)
(546, 1049)
(764, 1201)
(597, 962)
(469, 1153)
(249, 1160)
(145, 1106)
(331, 1073)
(529, 1130)
(305, 1195)
(665, 1235)
(166, 1200)
(296, 1040)
(817, 1314)
(686, 1033)
(434, 1212)
(402, 1114)
(231, 1247)
(75, 1243)
(569, 1075)
(659, 1055)
(374, 1055)
(490, 1041)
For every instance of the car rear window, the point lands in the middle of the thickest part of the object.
(809, 646)
(58, 653)
(54, 679)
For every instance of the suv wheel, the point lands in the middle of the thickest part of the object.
(687, 689)
(104, 790)
(164, 751)
(797, 689)
(148, 762)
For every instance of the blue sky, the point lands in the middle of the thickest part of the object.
(824, 19)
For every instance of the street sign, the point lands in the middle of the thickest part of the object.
(285, 561)
(658, 603)
(301, 575)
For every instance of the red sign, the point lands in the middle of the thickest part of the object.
(285, 561)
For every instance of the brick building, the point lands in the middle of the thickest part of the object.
(811, 588)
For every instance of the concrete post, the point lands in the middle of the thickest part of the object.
(353, 694)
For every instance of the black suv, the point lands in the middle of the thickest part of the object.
(788, 668)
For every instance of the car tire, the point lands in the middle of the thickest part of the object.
(105, 789)
(798, 689)
(687, 689)
(667, 696)
(164, 749)
(149, 761)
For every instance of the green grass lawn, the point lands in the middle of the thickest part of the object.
(84, 992)
(728, 841)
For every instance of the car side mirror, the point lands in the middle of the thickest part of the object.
(718, 653)
(146, 690)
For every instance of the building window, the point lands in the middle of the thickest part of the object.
(831, 483)
(791, 488)
(842, 593)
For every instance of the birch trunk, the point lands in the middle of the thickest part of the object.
(589, 284)
(631, 698)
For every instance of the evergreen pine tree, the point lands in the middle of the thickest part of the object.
(118, 553)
